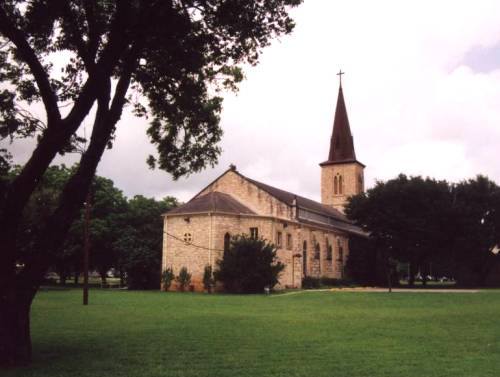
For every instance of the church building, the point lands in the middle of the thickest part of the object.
(312, 238)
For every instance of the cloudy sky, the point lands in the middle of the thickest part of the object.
(422, 88)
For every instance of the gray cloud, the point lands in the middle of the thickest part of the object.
(483, 59)
(409, 111)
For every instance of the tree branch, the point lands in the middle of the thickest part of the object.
(130, 64)
(16, 36)
(93, 32)
(104, 67)
(77, 39)
(72, 196)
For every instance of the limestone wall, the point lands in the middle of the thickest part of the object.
(178, 254)
(353, 183)
(206, 244)
(250, 195)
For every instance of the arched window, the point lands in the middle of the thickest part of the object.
(317, 251)
(329, 251)
(335, 185)
(304, 258)
(227, 242)
(341, 185)
(341, 250)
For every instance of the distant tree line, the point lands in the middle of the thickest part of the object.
(435, 228)
(125, 234)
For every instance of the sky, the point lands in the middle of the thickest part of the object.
(421, 85)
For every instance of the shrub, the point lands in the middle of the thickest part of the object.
(249, 265)
(333, 282)
(184, 278)
(167, 277)
(208, 278)
(309, 282)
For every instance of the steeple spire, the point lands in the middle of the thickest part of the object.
(342, 175)
(341, 143)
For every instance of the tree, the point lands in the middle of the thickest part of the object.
(37, 211)
(173, 56)
(139, 242)
(183, 279)
(167, 277)
(208, 278)
(423, 221)
(476, 204)
(249, 265)
(408, 219)
(108, 209)
(363, 262)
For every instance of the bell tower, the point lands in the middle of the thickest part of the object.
(341, 175)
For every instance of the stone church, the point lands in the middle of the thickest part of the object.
(312, 238)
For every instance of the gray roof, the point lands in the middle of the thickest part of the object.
(288, 198)
(337, 221)
(212, 202)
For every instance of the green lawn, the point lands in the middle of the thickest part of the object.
(306, 334)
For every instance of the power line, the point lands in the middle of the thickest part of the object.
(190, 243)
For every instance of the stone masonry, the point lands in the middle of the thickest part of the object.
(312, 238)
(206, 231)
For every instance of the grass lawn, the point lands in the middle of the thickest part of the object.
(310, 334)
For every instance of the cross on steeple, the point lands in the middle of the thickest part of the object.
(340, 77)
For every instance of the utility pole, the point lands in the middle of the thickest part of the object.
(86, 250)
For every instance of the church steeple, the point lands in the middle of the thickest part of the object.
(341, 174)
(341, 143)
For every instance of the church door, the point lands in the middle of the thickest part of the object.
(304, 258)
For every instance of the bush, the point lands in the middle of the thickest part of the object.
(208, 278)
(366, 264)
(309, 282)
(167, 277)
(184, 278)
(333, 282)
(249, 265)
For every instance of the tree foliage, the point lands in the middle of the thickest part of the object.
(167, 277)
(208, 278)
(168, 60)
(125, 234)
(476, 229)
(249, 265)
(183, 279)
(139, 241)
(424, 222)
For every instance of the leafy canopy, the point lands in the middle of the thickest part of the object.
(421, 221)
(249, 265)
(176, 55)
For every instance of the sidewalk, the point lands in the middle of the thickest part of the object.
(408, 290)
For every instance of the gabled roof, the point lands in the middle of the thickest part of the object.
(302, 202)
(215, 201)
(212, 202)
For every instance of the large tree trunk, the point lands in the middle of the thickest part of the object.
(15, 339)
(15, 303)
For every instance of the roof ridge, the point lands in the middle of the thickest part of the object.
(213, 201)
(333, 212)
